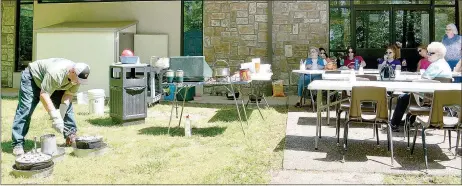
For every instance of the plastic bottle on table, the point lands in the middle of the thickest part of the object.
(356, 64)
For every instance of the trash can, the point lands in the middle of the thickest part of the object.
(128, 91)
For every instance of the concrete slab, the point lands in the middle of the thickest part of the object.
(272, 101)
(325, 177)
(363, 155)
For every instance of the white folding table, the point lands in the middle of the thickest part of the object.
(420, 87)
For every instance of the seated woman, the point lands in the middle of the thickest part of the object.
(391, 57)
(423, 63)
(438, 68)
(313, 62)
(331, 64)
(350, 59)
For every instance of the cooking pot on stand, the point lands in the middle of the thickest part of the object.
(221, 73)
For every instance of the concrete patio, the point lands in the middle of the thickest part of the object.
(363, 155)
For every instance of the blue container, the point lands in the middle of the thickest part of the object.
(129, 59)
(168, 94)
(356, 64)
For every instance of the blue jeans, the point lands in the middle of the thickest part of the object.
(305, 80)
(29, 97)
(453, 63)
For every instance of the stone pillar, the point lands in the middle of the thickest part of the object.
(235, 31)
(8, 42)
(297, 25)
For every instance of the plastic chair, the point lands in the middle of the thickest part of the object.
(377, 95)
(414, 108)
(437, 118)
(345, 105)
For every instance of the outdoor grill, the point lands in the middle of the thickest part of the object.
(195, 68)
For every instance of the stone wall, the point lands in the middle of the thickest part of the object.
(235, 31)
(8, 42)
(297, 25)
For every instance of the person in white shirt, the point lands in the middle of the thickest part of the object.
(438, 68)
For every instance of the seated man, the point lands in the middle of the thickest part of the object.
(438, 68)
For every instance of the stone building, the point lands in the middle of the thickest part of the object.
(279, 32)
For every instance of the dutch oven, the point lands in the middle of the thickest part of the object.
(229, 95)
(88, 142)
(33, 161)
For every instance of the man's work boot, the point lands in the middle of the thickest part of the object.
(18, 150)
(70, 140)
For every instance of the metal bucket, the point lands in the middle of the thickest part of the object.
(170, 75)
(48, 144)
(179, 76)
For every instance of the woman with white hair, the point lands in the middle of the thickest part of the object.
(453, 44)
(438, 68)
(312, 62)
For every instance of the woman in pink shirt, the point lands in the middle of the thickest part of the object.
(423, 63)
(350, 59)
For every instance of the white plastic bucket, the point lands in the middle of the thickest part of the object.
(96, 101)
(82, 98)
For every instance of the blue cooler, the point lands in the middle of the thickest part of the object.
(129, 59)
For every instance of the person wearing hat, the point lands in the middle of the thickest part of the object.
(53, 82)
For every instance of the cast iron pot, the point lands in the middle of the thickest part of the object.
(88, 142)
(33, 161)
(229, 95)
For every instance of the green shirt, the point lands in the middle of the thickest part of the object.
(51, 74)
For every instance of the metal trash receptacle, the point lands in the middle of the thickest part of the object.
(128, 91)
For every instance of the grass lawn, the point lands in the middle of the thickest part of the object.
(217, 153)
(422, 179)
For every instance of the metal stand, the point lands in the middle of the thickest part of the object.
(180, 86)
(258, 87)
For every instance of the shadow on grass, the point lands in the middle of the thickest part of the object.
(230, 115)
(28, 146)
(103, 122)
(179, 131)
(9, 97)
(281, 145)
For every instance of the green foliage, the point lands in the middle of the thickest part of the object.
(192, 15)
(25, 32)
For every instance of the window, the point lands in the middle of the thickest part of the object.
(443, 17)
(339, 33)
(192, 18)
(24, 30)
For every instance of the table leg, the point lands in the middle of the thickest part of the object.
(182, 108)
(318, 119)
(171, 111)
(243, 107)
(328, 107)
(237, 108)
